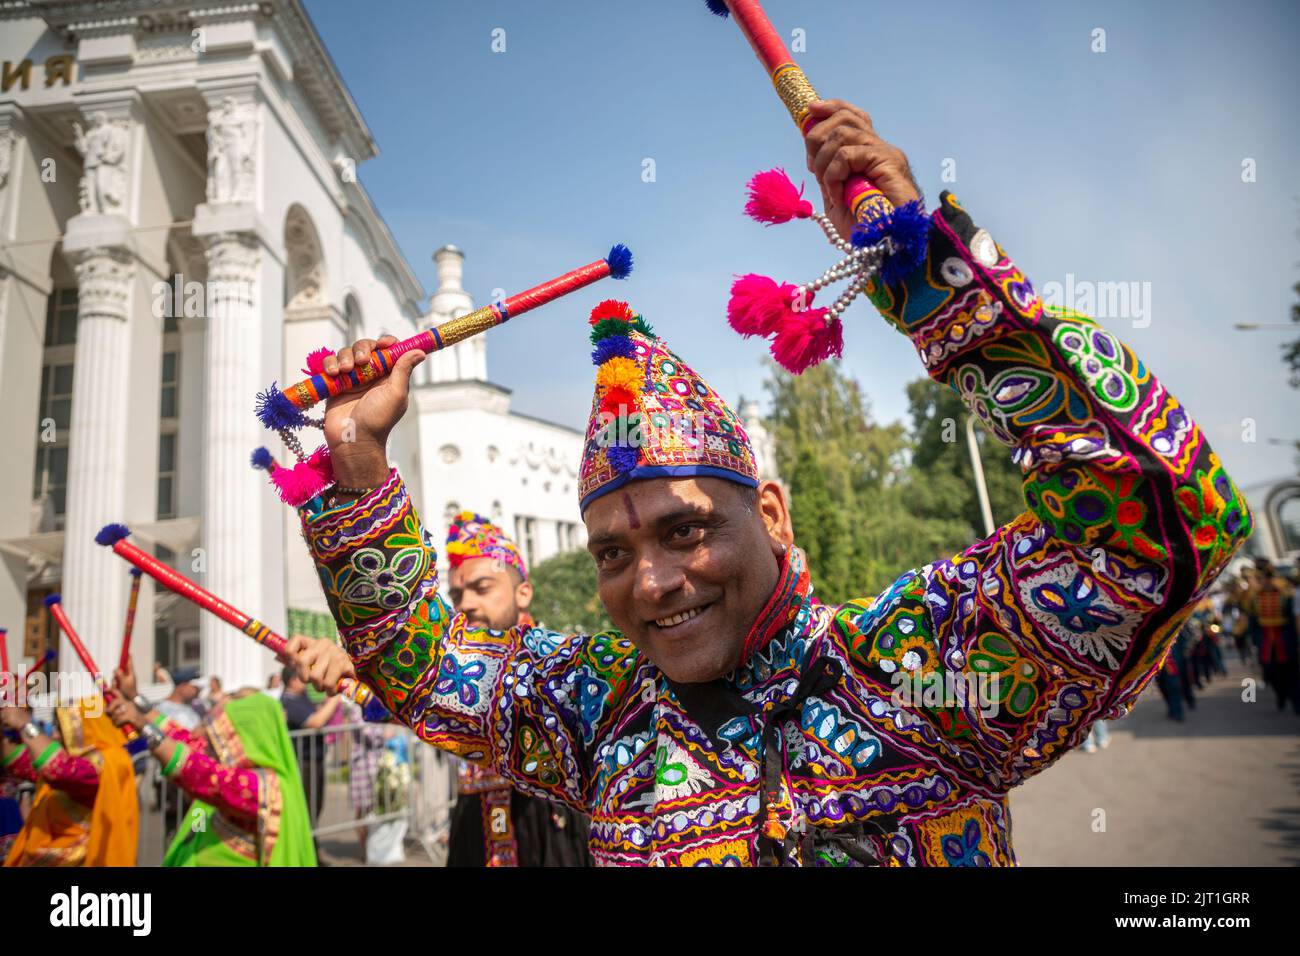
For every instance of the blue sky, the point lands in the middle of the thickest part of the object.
(1115, 166)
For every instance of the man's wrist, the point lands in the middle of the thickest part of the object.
(359, 466)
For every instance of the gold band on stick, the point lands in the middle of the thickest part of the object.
(795, 91)
(301, 394)
(470, 324)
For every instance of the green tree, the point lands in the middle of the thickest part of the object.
(831, 456)
(821, 523)
(871, 501)
(941, 482)
(845, 476)
(565, 597)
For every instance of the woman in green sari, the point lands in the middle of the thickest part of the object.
(249, 808)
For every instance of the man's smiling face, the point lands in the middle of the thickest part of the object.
(684, 565)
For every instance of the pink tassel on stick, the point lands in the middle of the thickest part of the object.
(305, 480)
(316, 361)
(773, 198)
(805, 338)
(758, 304)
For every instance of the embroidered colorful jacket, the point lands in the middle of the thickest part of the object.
(1071, 606)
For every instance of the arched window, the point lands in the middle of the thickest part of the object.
(356, 326)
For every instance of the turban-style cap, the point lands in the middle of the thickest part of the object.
(472, 536)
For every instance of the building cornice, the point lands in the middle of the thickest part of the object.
(382, 250)
(314, 69)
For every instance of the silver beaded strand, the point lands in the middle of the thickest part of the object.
(858, 265)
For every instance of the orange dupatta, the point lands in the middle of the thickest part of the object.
(62, 832)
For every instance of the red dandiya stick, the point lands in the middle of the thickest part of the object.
(132, 601)
(280, 409)
(864, 199)
(55, 603)
(4, 650)
(40, 662)
(49, 655)
(114, 536)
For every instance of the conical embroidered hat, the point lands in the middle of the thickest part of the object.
(652, 416)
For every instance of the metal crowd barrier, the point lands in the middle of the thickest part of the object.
(339, 766)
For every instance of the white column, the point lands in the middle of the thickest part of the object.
(94, 595)
(232, 529)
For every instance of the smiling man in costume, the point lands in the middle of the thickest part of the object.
(733, 720)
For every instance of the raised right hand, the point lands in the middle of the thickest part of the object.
(122, 712)
(357, 423)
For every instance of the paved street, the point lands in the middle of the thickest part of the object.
(1221, 789)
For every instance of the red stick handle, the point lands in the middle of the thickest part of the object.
(131, 603)
(40, 662)
(307, 393)
(4, 655)
(553, 289)
(176, 582)
(860, 195)
(110, 695)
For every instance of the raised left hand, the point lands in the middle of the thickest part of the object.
(320, 663)
(124, 681)
(844, 143)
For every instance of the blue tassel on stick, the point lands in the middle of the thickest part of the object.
(111, 534)
(262, 459)
(909, 228)
(375, 712)
(277, 412)
(620, 261)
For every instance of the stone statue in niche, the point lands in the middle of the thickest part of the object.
(103, 173)
(6, 157)
(232, 135)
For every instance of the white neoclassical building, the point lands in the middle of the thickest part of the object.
(180, 224)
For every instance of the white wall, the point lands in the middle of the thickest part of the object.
(525, 467)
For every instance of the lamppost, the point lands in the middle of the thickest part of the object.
(977, 465)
